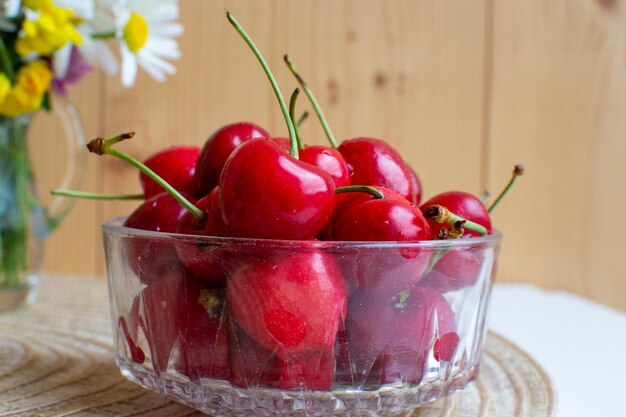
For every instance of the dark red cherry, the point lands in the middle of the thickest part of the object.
(292, 304)
(206, 260)
(150, 257)
(266, 193)
(462, 204)
(176, 165)
(389, 340)
(218, 148)
(375, 162)
(383, 271)
(182, 322)
(330, 160)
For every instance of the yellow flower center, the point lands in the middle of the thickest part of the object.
(136, 32)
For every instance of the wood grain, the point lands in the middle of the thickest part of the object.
(558, 105)
(463, 89)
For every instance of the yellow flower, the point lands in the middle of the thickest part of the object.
(52, 29)
(33, 80)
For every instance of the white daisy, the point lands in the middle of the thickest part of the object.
(146, 29)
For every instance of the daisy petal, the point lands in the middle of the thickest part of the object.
(129, 67)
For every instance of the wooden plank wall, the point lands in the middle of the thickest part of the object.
(463, 89)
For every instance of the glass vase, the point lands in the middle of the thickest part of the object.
(25, 222)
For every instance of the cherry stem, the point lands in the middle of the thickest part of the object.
(361, 189)
(485, 197)
(292, 114)
(440, 214)
(95, 196)
(314, 103)
(517, 172)
(302, 118)
(103, 146)
(270, 76)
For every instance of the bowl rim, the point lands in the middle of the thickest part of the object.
(114, 227)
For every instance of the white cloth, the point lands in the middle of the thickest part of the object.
(580, 344)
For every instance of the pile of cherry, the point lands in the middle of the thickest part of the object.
(287, 311)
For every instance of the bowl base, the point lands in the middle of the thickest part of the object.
(221, 399)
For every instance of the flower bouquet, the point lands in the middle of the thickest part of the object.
(46, 45)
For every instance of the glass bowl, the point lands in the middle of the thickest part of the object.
(252, 327)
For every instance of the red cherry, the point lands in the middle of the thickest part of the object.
(266, 193)
(374, 162)
(390, 340)
(253, 366)
(291, 304)
(151, 257)
(383, 271)
(456, 269)
(176, 165)
(462, 204)
(218, 148)
(182, 323)
(330, 160)
(206, 261)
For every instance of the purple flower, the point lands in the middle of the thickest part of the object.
(77, 68)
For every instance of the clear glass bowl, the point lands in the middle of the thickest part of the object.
(251, 327)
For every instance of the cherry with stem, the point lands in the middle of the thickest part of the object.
(102, 146)
(313, 100)
(270, 76)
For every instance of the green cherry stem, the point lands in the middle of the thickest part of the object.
(270, 76)
(314, 103)
(95, 196)
(485, 197)
(517, 172)
(292, 114)
(302, 118)
(361, 189)
(440, 214)
(103, 146)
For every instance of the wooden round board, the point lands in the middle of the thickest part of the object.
(56, 359)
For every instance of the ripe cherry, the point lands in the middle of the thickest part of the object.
(266, 295)
(151, 257)
(266, 193)
(462, 204)
(389, 340)
(183, 324)
(374, 162)
(218, 148)
(382, 271)
(176, 165)
(206, 261)
(330, 160)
